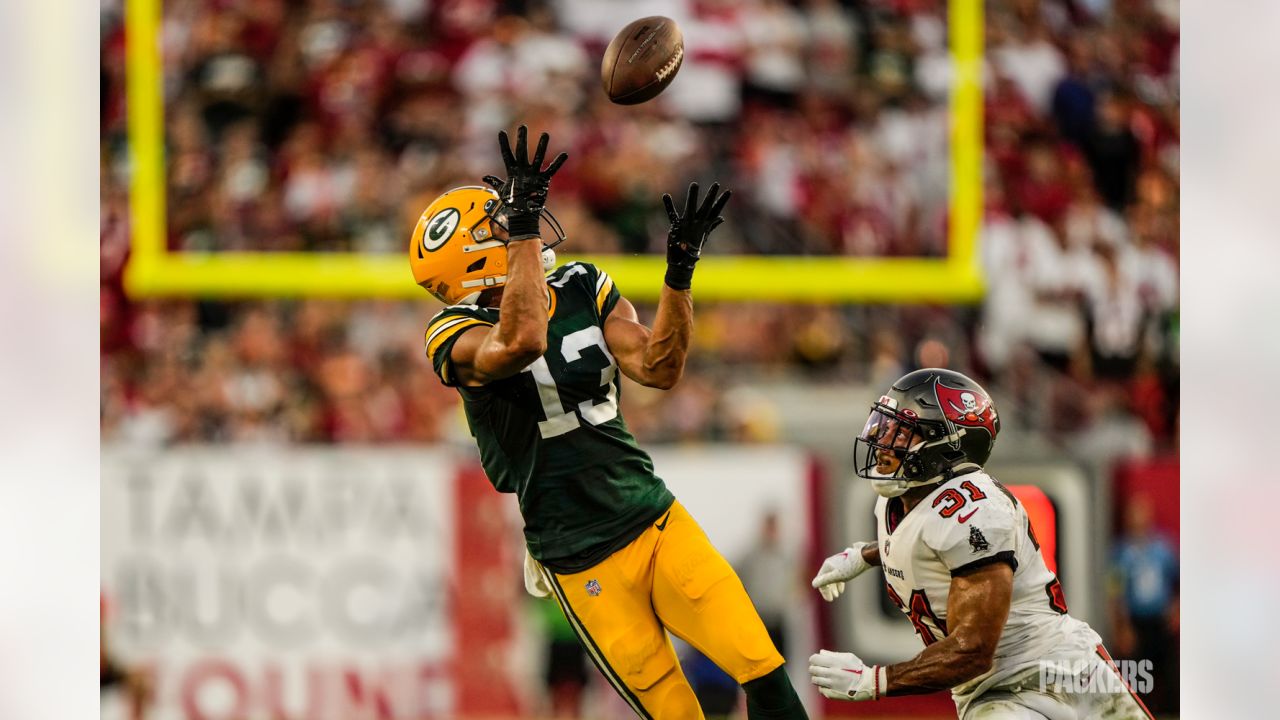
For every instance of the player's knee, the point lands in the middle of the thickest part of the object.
(753, 643)
(644, 659)
(661, 687)
(673, 699)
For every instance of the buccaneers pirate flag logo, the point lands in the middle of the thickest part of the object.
(966, 408)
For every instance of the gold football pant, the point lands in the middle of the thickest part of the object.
(669, 578)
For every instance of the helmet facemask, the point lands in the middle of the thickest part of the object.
(495, 211)
(889, 450)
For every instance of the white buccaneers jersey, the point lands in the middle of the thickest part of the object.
(966, 523)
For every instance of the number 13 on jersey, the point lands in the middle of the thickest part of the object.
(596, 410)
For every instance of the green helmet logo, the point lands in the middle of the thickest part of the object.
(440, 228)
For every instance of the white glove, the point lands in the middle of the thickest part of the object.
(842, 676)
(534, 581)
(838, 569)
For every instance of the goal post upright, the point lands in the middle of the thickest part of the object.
(153, 271)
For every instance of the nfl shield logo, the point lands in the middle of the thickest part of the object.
(593, 588)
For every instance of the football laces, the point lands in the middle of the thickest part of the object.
(671, 65)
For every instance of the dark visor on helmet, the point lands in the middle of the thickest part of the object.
(887, 433)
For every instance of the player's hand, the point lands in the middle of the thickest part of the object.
(689, 232)
(839, 569)
(534, 581)
(524, 193)
(843, 676)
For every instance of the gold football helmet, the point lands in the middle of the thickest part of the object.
(453, 251)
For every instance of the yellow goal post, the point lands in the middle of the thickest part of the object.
(153, 271)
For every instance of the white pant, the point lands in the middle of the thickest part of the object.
(1022, 699)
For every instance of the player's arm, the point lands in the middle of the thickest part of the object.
(871, 553)
(656, 357)
(977, 608)
(482, 355)
(976, 612)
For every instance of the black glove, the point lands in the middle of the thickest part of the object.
(689, 232)
(525, 190)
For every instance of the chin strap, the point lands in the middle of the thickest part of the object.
(947, 474)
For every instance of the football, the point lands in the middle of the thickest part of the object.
(642, 60)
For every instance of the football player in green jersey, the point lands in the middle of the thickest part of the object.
(536, 358)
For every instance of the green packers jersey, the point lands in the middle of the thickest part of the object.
(552, 434)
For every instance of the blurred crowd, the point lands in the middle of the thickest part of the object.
(327, 125)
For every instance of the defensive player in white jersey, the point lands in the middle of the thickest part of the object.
(961, 561)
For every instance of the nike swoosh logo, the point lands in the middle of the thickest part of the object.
(855, 672)
(663, 525)
(965, 518)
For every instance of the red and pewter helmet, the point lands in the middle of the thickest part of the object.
(937, 423)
